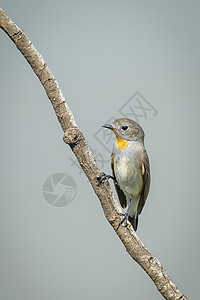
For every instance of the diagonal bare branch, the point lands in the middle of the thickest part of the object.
(75, 139)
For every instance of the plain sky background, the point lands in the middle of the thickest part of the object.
(102, 53)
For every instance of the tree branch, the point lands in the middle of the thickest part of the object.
(75, 139)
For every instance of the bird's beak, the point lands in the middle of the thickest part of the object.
(109, 126)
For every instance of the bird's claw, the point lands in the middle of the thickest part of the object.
(105, 176)
(125, 219)
(101, 178)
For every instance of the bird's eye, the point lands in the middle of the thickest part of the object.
(124, 127)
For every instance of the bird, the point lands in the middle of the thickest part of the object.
(130, 168)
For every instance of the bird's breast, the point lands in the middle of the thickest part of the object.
(128, 171)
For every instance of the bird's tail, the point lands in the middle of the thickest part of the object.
(134, 220)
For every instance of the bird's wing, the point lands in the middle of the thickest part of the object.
(121, 196)
(146, 182)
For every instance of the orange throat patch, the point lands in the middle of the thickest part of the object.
(121, 143)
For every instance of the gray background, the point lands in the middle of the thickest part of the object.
(102, 53)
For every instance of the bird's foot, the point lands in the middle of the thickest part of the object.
(122, 214)
(105, 176)
(124, 220)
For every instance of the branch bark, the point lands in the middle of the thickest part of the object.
(75, 139)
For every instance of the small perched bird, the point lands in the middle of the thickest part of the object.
(130, 167)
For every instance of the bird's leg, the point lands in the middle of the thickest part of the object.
(125, 218)
(105, 176)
